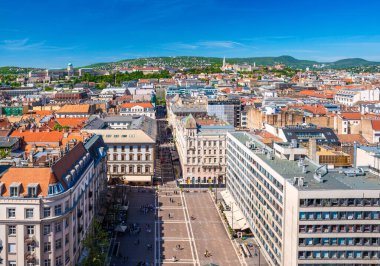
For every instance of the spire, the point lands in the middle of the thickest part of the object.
(224, 62)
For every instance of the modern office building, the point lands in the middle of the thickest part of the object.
(302, 213)
(227, 110)
(46, 207)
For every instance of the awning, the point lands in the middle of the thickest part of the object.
(120, 228)
(138, 178)
(239, 221)
(123, 208)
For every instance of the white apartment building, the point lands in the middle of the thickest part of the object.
(302, 213)
(351, 97)
(201, 145)
(45, 212)
(138, 109)
(131, 146)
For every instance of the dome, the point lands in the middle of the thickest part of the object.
(69, 64)
(190, 122)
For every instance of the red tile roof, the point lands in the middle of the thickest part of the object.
(351, 116)
(52, 136)
(26, 176)
(375, 125)
(131, 105)
(351, 138)
(71, 122)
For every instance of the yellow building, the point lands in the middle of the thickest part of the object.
(331, 157)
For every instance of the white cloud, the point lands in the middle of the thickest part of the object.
(26, 45)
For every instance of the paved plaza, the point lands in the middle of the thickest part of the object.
(208, 230)
(131, 253)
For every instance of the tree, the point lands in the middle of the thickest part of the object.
(96, 243)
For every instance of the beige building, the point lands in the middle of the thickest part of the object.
(201, 145)
(45, 212)
(302, 213)
(131, 146)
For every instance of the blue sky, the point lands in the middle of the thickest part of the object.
(49, 33)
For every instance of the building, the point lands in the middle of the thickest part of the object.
(368, 158)
(81, 110)
(138, 109)
(131, 146)
(302, 213)
(201, 145)
(352, 96)
(305, 133)
(228, 110)
(370, 130)
(47, 207)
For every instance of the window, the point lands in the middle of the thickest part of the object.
(12, 263)
(47, 246)
(47, 262)
(32, 190)
(30, 248)
(47, 211)
(11, 230)
(58, 261)
(58, 227)
(57, 210)
(58, 243)
(14, 191)
(67, 257)
(28, 213)
(12, 213)
(46, 229)
(11, 248)
(30, 229)
(67, 239)
(115, 157)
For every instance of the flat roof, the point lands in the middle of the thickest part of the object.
(333, 180)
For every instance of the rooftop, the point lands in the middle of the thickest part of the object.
(332, 180)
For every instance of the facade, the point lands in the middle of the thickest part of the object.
(229, 111)
(351, 97)
(300, 212)
(138, 109)
(75, 111)
(201, 145)
(45, 211)
(131, 146)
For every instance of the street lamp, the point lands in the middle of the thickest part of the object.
(232, 220)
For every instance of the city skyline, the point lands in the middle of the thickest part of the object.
(104, 31)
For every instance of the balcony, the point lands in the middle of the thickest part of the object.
(30, 257)
(30, 240)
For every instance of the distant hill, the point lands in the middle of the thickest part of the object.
(12, 70)
(268, 61)
(201, 61)
(193, 61)
(353, 62)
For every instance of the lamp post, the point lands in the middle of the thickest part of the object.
(232, 220)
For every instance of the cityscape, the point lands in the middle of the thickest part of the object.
(130, 134)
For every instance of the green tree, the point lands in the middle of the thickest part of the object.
(96, 243)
